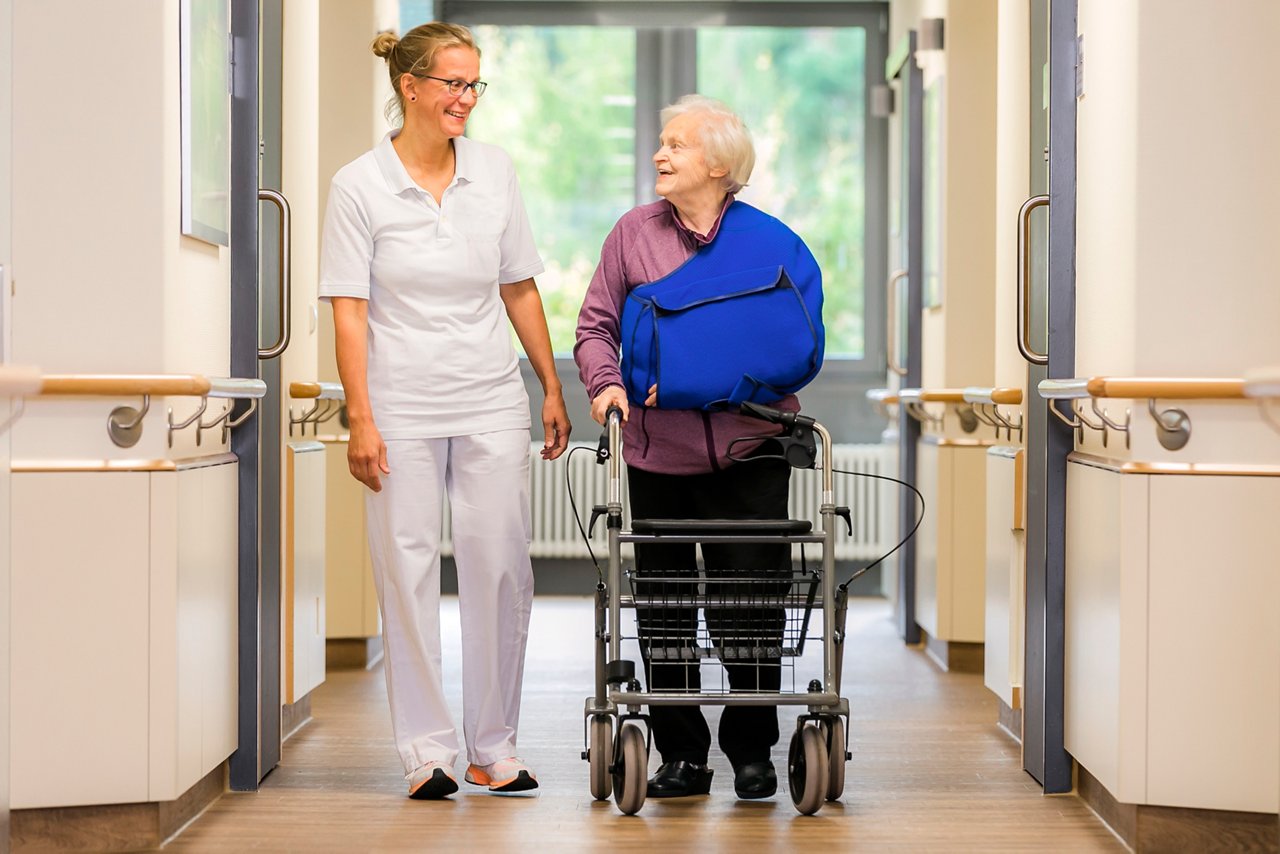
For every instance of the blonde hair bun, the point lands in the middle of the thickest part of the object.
(385, 42)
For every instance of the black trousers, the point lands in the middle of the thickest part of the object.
(747, 490)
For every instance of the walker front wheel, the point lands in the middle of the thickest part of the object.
(807, 769)
(600, 756)
(630, 770)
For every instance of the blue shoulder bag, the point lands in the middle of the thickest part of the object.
(739, 321)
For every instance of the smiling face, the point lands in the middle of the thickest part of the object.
(429, 100)
(683, 171)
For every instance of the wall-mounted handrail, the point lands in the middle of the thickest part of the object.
(321, 391)
(891, 322)
(942, 395)
(986, 403)
(1024, 280)
(1173, 425)
(1138, 388)
(124, 385)
(14, 383)
(1264, 385)
(285, 247)
(993, 396)
(329, 400)
(124, 424)
(882, 399)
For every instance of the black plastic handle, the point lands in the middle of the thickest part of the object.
(768, 413)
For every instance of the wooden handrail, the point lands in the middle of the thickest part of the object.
(942, 395)
(125, 385)
(16, 381)
(993, 396)
(910, 395)
(317, 391)
(1139, 388)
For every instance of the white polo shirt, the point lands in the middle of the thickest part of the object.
(441, 361)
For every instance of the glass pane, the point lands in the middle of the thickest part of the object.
(802, 94)
(561, 101)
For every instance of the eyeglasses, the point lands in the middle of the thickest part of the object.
(457, 87)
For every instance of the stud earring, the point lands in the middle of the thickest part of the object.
(413, 97)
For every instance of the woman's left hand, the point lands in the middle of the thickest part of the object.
(555, 421)
(652, 399)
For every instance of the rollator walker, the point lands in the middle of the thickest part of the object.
(770, 623)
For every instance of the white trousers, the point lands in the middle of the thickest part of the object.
(487, 478)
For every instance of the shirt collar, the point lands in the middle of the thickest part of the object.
(692, 236)
(397, 177)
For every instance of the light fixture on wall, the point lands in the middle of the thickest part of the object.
(930, 34)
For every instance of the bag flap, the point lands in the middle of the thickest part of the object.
(720, 288)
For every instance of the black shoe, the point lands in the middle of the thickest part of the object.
(679, 779)
(755, 780)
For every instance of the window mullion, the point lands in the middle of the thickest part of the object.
(666, 68)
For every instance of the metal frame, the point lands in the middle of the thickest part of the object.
(911, 103)
(1049, 441)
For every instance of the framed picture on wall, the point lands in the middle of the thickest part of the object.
(206, 119)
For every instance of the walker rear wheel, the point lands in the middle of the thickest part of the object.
(807, 769)
(630, 770)
(835, 760)
(600, 756)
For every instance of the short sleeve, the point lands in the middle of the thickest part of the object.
(520, 259)
(346, 250)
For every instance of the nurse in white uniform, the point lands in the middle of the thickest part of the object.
(427, 254)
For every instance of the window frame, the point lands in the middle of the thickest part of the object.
(666, 67)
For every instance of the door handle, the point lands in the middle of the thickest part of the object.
(285, 238)
(1024, 280)
(891, 322)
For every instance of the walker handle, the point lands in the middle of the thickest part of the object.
(768, 413)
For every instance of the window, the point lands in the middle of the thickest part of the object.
(792, 88)
(575, 103)
(562, 103)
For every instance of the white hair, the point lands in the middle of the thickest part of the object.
(726, 143)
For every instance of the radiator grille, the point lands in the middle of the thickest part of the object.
(556, 535)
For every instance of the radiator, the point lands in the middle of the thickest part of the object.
(556, 534)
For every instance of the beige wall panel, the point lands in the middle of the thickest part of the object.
(1206, 188)
(1106, 189)
(80, 556)
(1012, 182)
(1214, 588)
(351, 606)
(929, 537)
(967, 561)
(174, 726)
(218, 566)
(6, 245)
(1093, 690)
(1001, 607)
(190, 616)
(306, 570)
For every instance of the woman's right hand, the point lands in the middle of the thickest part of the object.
(367, 454)
(613, 395)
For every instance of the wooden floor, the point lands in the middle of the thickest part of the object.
(930, 771)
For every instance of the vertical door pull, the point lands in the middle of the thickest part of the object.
(285, 240)
(1024, 280)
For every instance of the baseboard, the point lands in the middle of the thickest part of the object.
(352, 653)
(954, 656)
(1154, 828)
(113, 827)
(1010, 719)
(294, 716)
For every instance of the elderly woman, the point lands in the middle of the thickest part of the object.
(678, 459)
